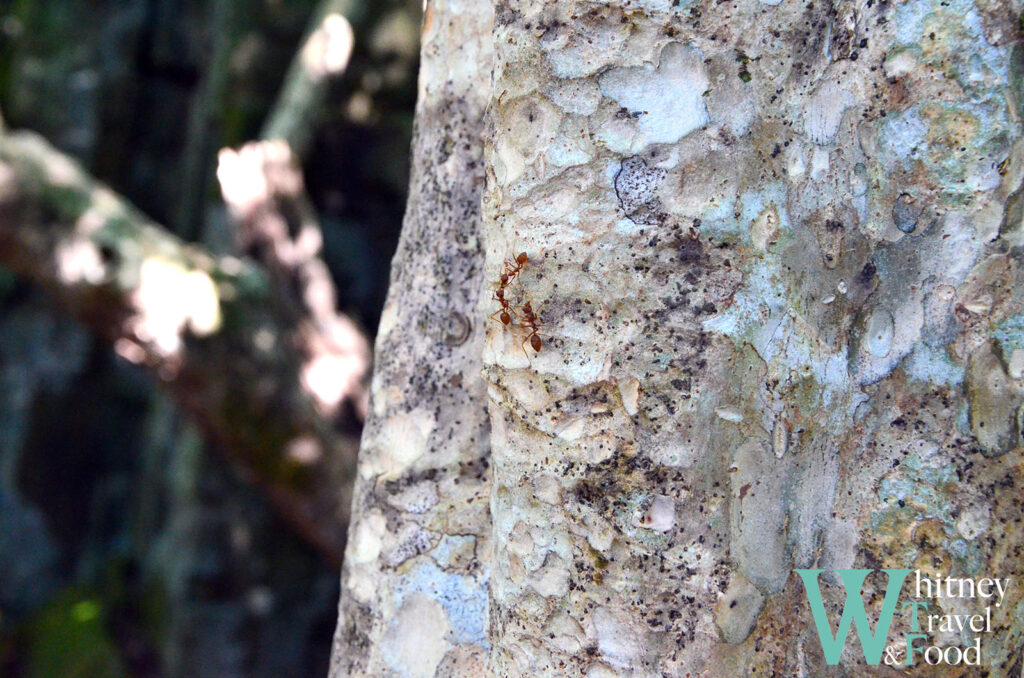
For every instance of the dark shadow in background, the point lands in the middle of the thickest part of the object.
(126, 549)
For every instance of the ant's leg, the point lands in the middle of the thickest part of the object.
(523, 347)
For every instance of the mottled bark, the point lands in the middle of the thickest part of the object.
(414, 587)
(775, 249)
(772, 247)
(214, 331)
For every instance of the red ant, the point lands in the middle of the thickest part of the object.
(531, 321)
(513, 267)
(504, 313)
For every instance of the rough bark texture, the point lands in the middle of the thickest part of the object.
(212, 330)
(775, 250)
(414, 598)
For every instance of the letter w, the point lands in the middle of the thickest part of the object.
(872, 644)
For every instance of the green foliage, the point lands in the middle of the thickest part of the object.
(70, 638)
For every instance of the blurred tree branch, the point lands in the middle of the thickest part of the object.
(276, 223)
(206, 116)
(324, 55)
(257, 354)
(229, 345)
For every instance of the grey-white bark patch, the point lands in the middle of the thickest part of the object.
(601, 670)
(463, 597)
(859, 180)
(758, 516)
(454, 551)
(630, 392)
(455, 328)
(535, 121)
(565, 632)
(519, 542)
(1015, 363)
(840, 540)
(879, 333)
(667, 101)
(824, 112)
(974, 521)
(940, 325)
(366, 539)
(881, 342)
(764, 229)
(547, 488)
(580, 96)
(414, 642)
(738, 610)
(810, 496)
(618, 637)
(583, 44)
(728, 413)
(780, 438)
(994, 399)
(552, 579)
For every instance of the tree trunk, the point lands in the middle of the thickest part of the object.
(424, 469)
(773, 265)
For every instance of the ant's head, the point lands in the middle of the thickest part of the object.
(521, 258)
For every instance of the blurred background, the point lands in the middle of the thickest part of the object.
(129, 546)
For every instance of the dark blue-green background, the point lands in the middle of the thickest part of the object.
(127, 548)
